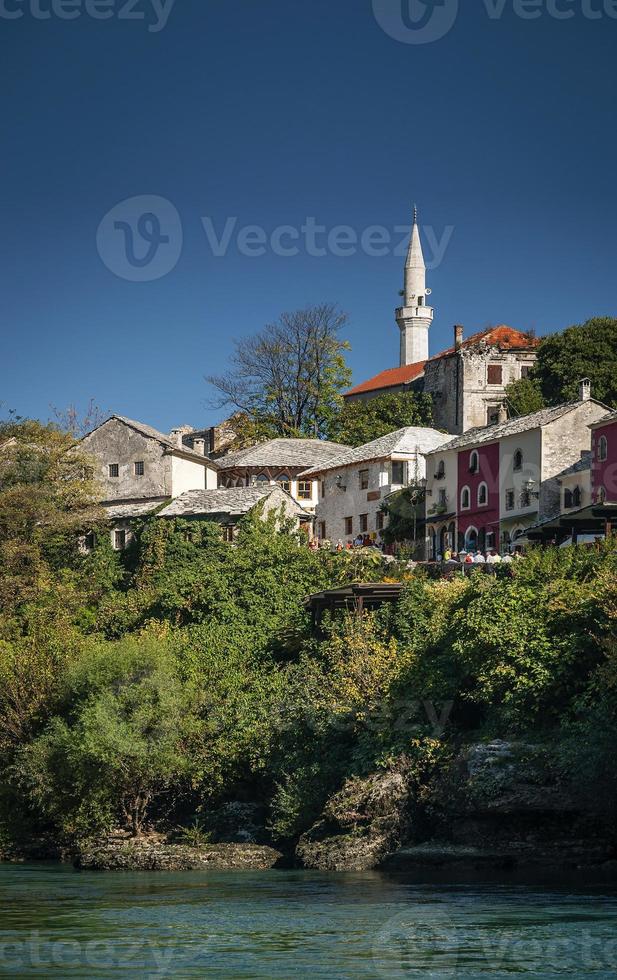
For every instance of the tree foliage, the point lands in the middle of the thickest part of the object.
(362, 421)
(288, 378)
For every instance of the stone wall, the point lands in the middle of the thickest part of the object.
(115, 442)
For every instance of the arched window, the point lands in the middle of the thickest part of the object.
(602, 449)
(471, 539)
(482, 495)
(474, 462)
(568, 498)
(262, 478)
(518, 460)
(441, 470)
(465, 498)
(284, 482)
(576, 497)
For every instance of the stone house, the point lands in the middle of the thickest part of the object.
(227, 506)
(354, 484)
(140, 468)
(467, 382)
(280, 462)
(504, 478)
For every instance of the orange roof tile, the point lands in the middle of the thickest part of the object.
(391, 378)
(502, 336)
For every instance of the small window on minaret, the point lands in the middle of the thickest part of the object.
(420, 300)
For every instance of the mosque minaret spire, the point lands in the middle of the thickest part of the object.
(415, 317)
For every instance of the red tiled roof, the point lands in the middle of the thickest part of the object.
(502, 336)
(506, 338)
(391, 378)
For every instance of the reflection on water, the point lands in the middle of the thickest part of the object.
(55, 922)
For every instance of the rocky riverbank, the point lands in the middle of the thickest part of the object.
(153, 854)
(499, 805)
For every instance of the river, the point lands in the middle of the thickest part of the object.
(56, 922)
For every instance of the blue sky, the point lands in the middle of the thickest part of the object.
(503, 130)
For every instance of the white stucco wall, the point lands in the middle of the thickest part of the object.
(336, 503)
(189, 475)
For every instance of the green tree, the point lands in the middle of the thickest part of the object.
(588, 350)
(525, 397)
(360, 422)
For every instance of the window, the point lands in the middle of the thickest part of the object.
(120, 539)
(526, 370)
(482, 495)
(380, 520)
(495, 374)
(322, 530)
(440, 472)
(89, 541)
(305, 489)
(114, 471)
(490, 540)
(576, 497)
(492, 415)
(349, 525)
(322, 488)
(509, 499)
(262, 478)
(443, 498)
(567, 498)
(525, 498)
(518, 460)
(465, 498)
(474, 462)
(284, 482)
(364, 523)
(398, 474)
(139, 468)
(228, 531)
(364, 479)
(602, 449)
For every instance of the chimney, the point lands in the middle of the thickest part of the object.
(584, 391)
(458, 336)
(199, 446)
(176, 436)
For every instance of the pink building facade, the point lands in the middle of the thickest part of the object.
(604, 460)
(478, 497)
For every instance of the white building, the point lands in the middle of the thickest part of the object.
(354, 485)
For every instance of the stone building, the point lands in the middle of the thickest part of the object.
(354, 484)
(487, 486)
(467, 382)
(139, 468)
(281, 462)
(228, 507)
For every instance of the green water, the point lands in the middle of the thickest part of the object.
(55, 922)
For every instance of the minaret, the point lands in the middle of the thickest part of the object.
(415, 317)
